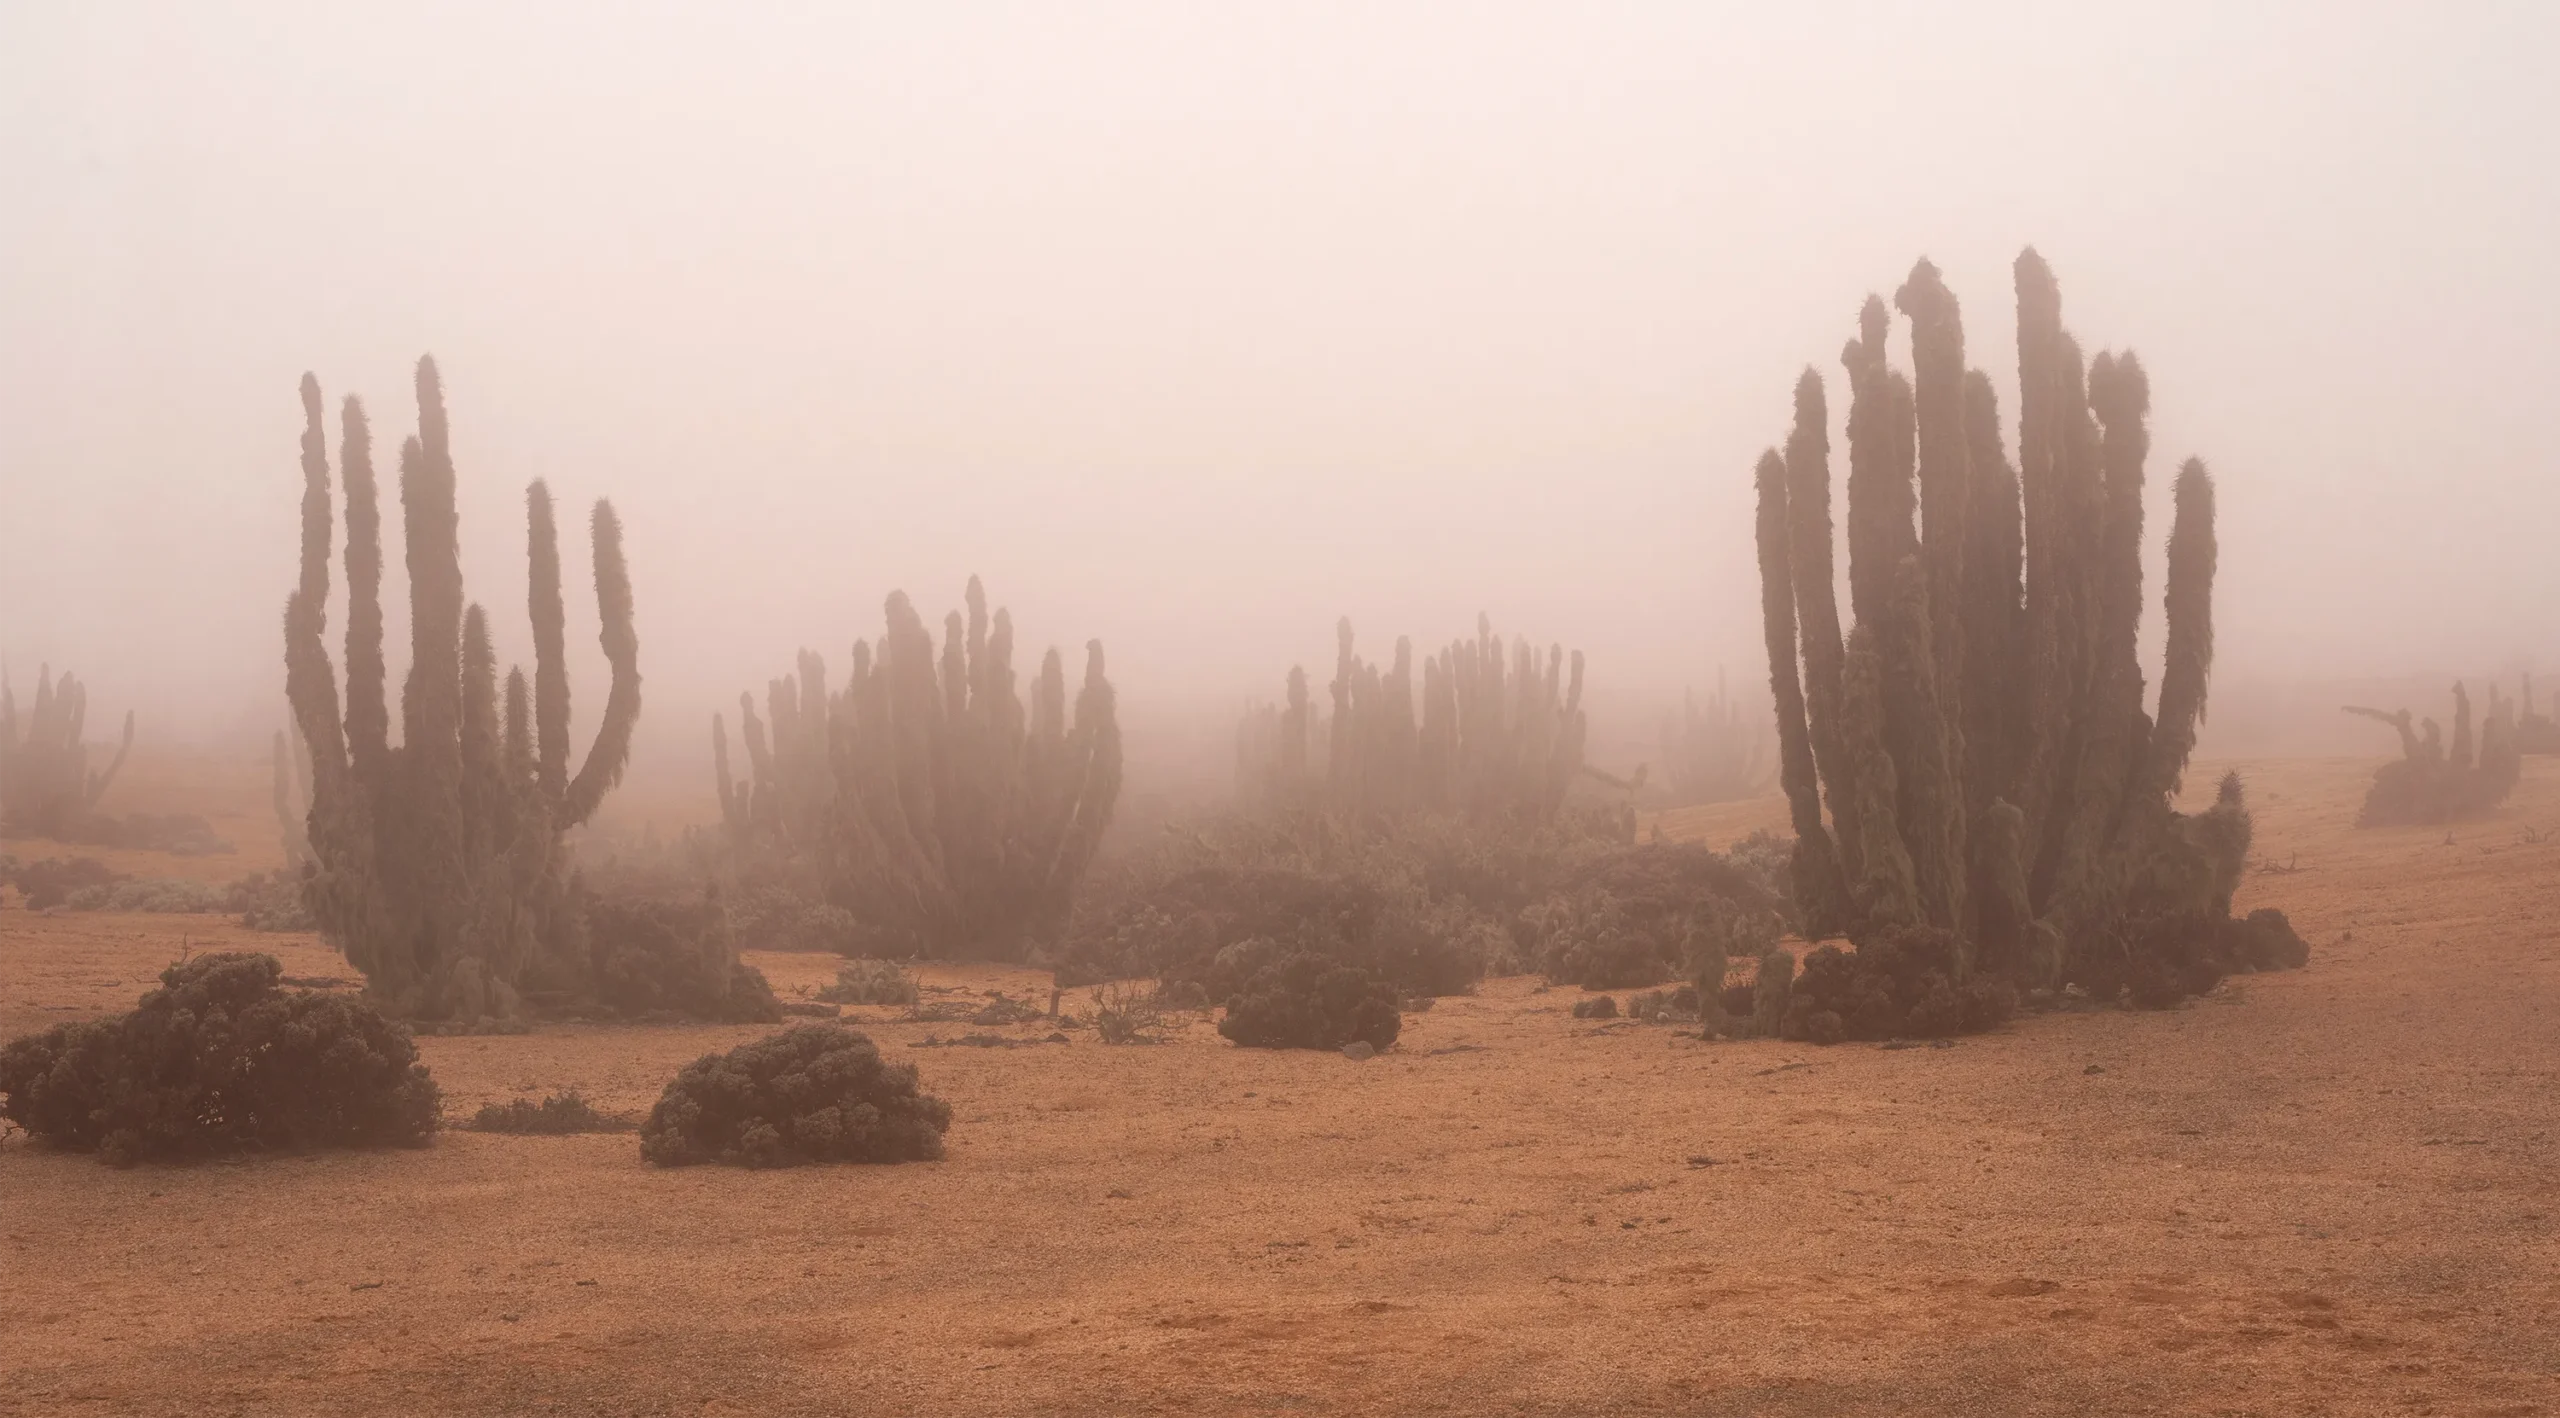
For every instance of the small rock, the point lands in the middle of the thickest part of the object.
(1359, 1049)
(2093, 1068)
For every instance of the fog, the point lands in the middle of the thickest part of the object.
(1192, 328)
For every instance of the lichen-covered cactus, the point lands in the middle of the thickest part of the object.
(46, 784)
(1979, 739)
(437, 864)
(924, 798)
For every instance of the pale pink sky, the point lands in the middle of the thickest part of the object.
(1193, 326)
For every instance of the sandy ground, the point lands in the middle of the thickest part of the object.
(2327, 1192)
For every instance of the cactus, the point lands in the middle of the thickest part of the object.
(1979, 737)
(437, 866)
(1500, 730)
(924, 798)
(2536, 732)
(292, 762)
(1710, 753)
(47, 788)
(2433, 783)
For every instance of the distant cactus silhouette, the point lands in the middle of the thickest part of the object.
(2431, 782)
(46, 784)
(1500, 730)
(924, 798)
(1711, 752)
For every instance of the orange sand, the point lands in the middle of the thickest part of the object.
(2328, 1192)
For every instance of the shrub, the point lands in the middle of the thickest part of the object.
(1592, 944)
(1897, 986)
(868, 981)
(556, 1116)
(813, 1093)
(163, 895)
(1665, 1005)
(1125, 1014)
(1772, 991)
(2264, 940)
(1428, 902)
(221, 1059)
(1310, 1002)
(270, 901)
(1988, 1003)
(1642, 915)
(52, 881)
(656, 957)
(1767, 861)
(1596, 1007)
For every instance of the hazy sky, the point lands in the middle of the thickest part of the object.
(1193, 326)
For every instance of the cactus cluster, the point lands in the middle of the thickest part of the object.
(436, 864)
(1711, 752)
(924, 799)
(47, 787)
(1500, 731)
(2536, 732)
(1979, 736)
(2432, 781)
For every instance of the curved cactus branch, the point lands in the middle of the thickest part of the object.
(611, 751)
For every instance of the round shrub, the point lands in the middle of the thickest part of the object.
(1309, 1002)
(869, 981)
(1596, 1007)
(2264, 940)
(221, 1059)
(815, 1093)
(673, 958)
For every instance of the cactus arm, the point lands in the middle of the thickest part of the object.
(611, 751)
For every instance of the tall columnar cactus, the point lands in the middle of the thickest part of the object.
(1710, 751)
(437, 864)
(924, 797)
(1980, 737)
(46, 783)
(1499, 729)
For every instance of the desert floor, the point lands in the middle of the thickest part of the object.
(2325, 1192)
